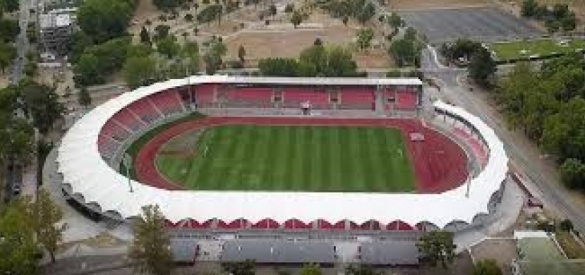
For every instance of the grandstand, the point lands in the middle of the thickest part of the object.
(94, 144)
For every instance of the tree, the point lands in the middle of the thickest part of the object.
(7, 54)
(190, 56)
(145, 36)
(167, 5)
(17, 138)
(139, 71)
(189, 17)
(9, 5)
(345, 20)
(20, 252)
(486, 267)
(566, 225)
(272, 10)
(361, 270)
(239, 268)
(296, 18)
(482, 67)
(47, 216)
(569, 22)
(395, 21)
(9, 29)
(83, 97)
(42, 104)
(339, 63)
(210, 13)
(278, 67)
(552, 26)
(290, 7)
(573, 173)
(105, 19)
(168, 46)
(404, 51)
(99, 61)
(529, 8)
(242, 54)
(311, 269)
(364, 38)
(214, 54)
(410, 34)
(161, 32)
(437, 247)
(86, 71)
(150, 251)
(368, 11)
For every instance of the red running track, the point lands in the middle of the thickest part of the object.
(440, 164)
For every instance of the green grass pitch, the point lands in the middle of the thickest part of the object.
(293, 158)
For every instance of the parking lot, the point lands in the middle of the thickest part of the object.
(482, 24)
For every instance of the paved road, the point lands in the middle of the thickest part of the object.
(523, 154)
(22, 43)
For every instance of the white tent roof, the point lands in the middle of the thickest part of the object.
(90, 176)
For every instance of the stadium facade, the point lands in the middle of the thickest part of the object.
(90, 176)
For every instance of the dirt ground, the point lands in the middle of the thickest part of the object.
(435, 4)
(282, 40)
(277, 39)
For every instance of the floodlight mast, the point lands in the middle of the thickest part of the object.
(127, 162)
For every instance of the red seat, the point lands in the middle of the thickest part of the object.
(357, 98)
(406, 100)
(167, 102)
(293, 97)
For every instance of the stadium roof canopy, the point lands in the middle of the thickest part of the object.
(90, 179)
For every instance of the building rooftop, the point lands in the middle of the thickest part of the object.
(390, 253)
(184, 250)
(53, 20)
(279, 251)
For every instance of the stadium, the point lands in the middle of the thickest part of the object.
(259, 153)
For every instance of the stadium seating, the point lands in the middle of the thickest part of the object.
(145, 110)
(293, 97)
(107, 146)
(258, 97)
(114, 130)
(131, 121)
(406, 100)
(167, 102)
(205, 94)
(357, 98)
(475, 145)
(389, 93)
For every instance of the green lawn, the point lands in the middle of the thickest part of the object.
(294, 158)
(512, 50)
